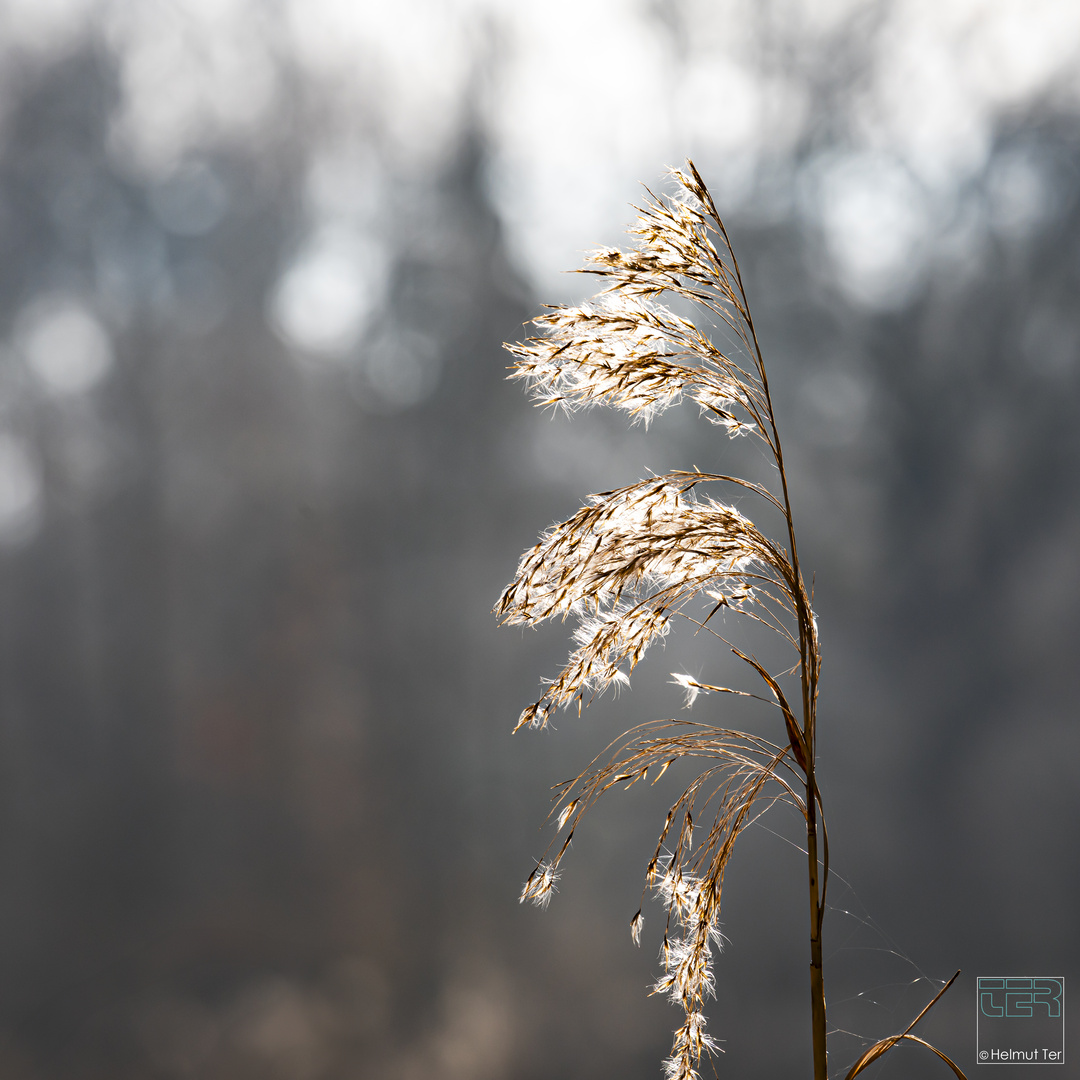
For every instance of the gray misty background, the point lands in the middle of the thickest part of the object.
(261, 481)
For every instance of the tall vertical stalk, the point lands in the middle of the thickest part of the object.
(809, 668)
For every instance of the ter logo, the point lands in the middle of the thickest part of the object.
(1020, 997)
(1020, 1020)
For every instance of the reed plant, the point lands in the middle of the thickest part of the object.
(634, 560)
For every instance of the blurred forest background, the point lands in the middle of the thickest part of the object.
(262, 479)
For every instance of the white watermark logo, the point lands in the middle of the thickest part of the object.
(1020, 1020)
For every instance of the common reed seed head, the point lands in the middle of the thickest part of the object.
(634, 559)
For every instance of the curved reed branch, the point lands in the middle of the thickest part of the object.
(885, 1045)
